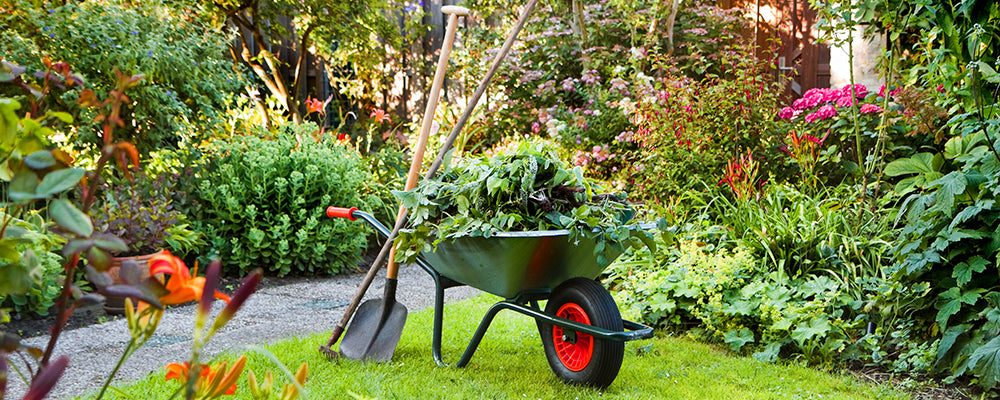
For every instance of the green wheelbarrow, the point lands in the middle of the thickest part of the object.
(582, 331)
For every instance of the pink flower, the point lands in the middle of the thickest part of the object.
(590, 76)
(379, 116)
(568, 84)
(620, 85)
(940, 88)
(826, 111)
(811, 117)
(808, 102)
(881, 91)
(314, 105)
(846, 101)
(869, 108)
(860, 91)
(786, 113)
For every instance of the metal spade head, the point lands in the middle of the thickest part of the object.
(375, 330)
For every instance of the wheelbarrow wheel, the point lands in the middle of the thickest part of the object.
(577, 357)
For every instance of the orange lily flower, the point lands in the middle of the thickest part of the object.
(182, 285)
(212, 383)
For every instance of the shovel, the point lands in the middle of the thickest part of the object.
(378, 324)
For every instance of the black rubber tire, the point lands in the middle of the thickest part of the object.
(602, 311)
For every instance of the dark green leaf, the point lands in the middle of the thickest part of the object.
(985, 362)
(948, 339)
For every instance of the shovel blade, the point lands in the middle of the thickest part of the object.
(374, 332)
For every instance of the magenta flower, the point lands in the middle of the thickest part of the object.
(807, 102)
(811, 117)
(846, 101)
(868, 108)
(786, 113)
(860, 91)
(826, 111)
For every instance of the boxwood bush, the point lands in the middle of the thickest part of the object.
(262, 202)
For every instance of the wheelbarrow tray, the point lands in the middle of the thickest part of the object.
(508, 264)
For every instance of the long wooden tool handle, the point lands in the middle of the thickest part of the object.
(425, 128)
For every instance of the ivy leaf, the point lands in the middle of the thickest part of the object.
(985, 363)
(738, 339)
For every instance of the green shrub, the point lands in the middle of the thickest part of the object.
(949, 248)
(189, 75)
(689, 129)
(785, 274)
(575, 79)
(725, 296)
(263, 201)
(37, 260)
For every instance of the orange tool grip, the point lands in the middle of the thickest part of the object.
(340, 212)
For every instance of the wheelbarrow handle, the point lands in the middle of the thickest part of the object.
(341, 212)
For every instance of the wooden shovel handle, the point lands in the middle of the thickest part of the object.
(432, 100)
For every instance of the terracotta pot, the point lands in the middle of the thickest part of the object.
(117, 305)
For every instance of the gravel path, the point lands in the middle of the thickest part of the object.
(272, 314)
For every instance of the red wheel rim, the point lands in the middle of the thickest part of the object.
(574, 355)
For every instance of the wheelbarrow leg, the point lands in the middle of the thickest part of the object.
(438, 322)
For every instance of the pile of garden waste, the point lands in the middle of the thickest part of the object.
(522, 189)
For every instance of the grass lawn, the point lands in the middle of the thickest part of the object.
(510, 364)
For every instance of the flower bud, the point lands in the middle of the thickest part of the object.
(211, 283)
(249, 286)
